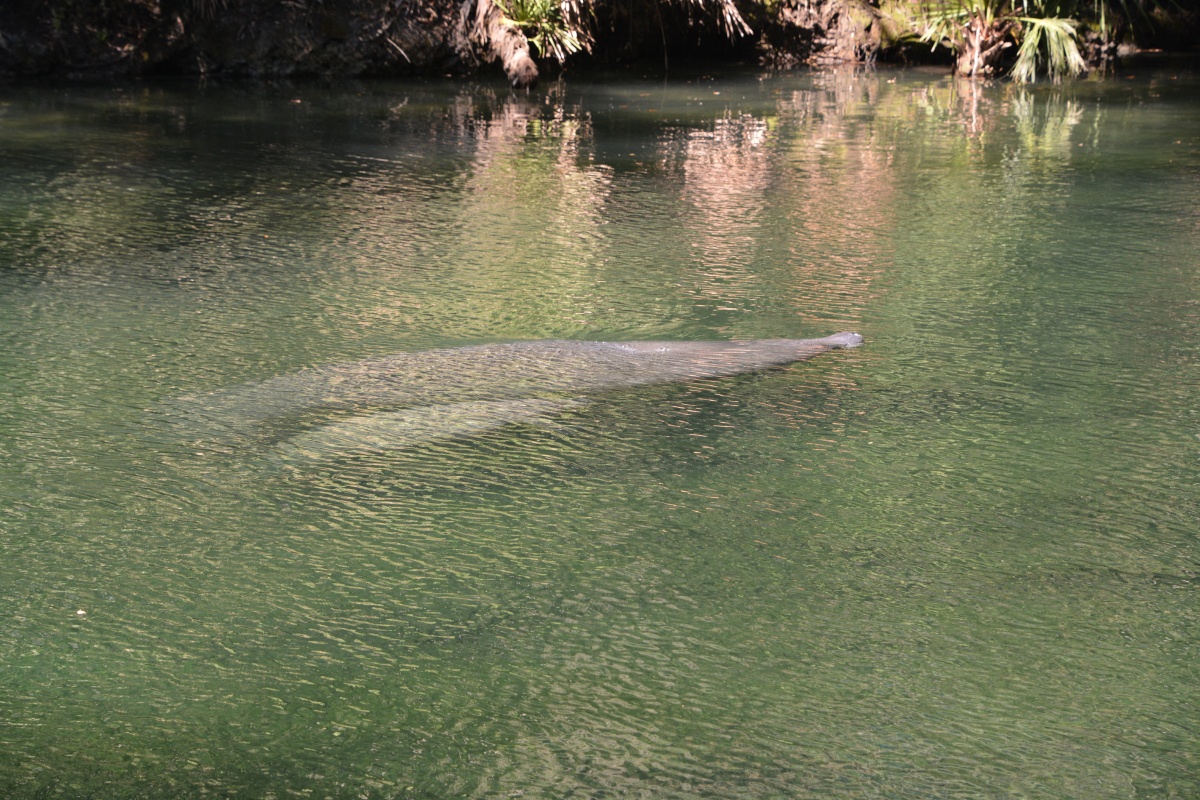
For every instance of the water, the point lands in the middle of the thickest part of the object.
(960, 561)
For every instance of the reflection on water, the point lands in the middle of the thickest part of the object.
(958, 562)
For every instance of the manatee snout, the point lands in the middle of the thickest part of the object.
(844, 339)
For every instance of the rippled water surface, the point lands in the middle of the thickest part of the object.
(960, 561)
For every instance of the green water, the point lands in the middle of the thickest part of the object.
(960, 561)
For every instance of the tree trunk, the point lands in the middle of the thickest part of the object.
(983, 47)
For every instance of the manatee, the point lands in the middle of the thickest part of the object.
(488, 373)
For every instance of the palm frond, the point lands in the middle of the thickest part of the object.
(941, 23)
(1053, 40)
(727, 14)
(553, 27)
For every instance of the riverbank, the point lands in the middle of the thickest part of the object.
(397, 38)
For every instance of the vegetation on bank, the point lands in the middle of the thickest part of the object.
(1024, 39)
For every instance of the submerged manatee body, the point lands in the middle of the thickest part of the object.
(392, 430)
(482, 374)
